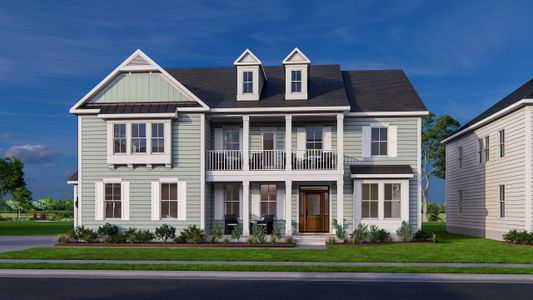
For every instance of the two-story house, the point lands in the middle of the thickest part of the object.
(488, 169)
(299, 143)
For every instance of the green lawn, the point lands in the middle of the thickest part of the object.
(34, 228)
(453, 248)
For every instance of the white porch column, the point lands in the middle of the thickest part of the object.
(340, 141)
(245, 208)
(340, 202)
(246, 142)
(288, 207)
(288, 142)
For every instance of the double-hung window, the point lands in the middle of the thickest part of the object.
(268, 199)
(113, 201)
(296, 81)
(231, 139)
(379, 141)
(460, 156)
(392, 201)
(158, 138)
(486, 148)
(313, 139)
(460, 202)
(370, 201)
(119, 138)
(247, 82)
(502, 143)
(138, 138)
(480, 150)
(502, 200)
(231, 199)
(169, 200)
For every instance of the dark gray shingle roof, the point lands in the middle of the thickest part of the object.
(381, 91)
(141, 108)
(381, 169)
(74, 177)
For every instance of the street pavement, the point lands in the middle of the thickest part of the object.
(11, 243)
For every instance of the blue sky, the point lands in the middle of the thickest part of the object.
(461, 56)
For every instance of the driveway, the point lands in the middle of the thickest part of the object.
(10, 243)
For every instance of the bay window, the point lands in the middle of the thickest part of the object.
(392, 201)
(119, 138)
(138, 138)
(370, 200)
(158, 138)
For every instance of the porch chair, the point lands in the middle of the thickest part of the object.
(230, 222)
(268, 222)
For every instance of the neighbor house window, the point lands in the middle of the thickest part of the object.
(460, 155)
(247, 82)
(392, 201)
(486, 148)
(370, 200)
(502, 143)
(268, 199)
(138, 138)
(113, 197)
(231, 200)
(480, 150)
(378, 142)
(231, 139)
(313, 139)
(460, 202)
(169, 200)
(158, 138)
(119, 138)
(502, 200)
(296, 81)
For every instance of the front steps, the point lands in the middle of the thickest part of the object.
(311, 240)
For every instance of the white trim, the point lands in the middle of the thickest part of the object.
(340, 202)
(419, 173)
(528, 170)
(288, 141)
(288, 207)
(245, 215)
(370, 176)
(75, 197)
(238, 62)
(124, 67)
(296, 50)
(125, 200)
(245, 143)
(387, 113)
(72, 182)
(281, 109)
(112, 180)
(85, 111)
(258, 176)
(135, 116)
(168, 180)
(202, 171)
(79, 210)
(490, 118)
(274, 132)
(303, 94)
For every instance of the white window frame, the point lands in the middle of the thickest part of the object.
(120, 200)
(139, 138)
(241, 96)
(296, 81)
(314, 140)
(158, 138)
(147, 158)
(289, 94)
(501, 135)
(169, 182)
(125, 138)
(380, 141)
(247, 82)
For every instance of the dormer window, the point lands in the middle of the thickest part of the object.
(296, 81)
(247, 82)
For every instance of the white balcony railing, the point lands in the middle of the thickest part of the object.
(224, 160)
(314, 159)
(268, 160)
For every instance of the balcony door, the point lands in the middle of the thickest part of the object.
(314, 209)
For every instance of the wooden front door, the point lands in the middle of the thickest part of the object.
(314, 210)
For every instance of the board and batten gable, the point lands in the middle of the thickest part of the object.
(186, 155)
(479, 182)
(407, 154)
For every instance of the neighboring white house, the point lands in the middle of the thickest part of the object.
(488, 169)
(300, 143)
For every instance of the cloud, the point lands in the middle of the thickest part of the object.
(5, 136)
(32, 154)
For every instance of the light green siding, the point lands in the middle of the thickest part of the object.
(139, 87)
(185, 166)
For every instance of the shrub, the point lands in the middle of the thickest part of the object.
(276, 234)
(165, 232)
(109, 233)
(382, 235)
(192, 234)
(133, 235)
(433, 211)
(373, 232)
(259, 235)
(405, 232)
(85, 235)
(422, 235)
(331, 240)
(339, 230)
(518, 237)
(225, 241)
(290, 240)
(216, 233)
(64, 239)
(360, 234)
(236, 233)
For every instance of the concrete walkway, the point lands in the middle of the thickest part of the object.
(270, 263)
(274, 276)
(11, 243)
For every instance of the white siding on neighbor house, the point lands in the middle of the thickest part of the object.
(138, 87)
(479, 182)
(407, 150)
(185, 166)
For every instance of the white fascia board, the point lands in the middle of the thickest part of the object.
(84, 111)
(124, 67)
(72, 182)
(138, 116)
(375, 176)
(238, 62)
(489, 119)
(296, 50)
(281, 109)
(388, 114)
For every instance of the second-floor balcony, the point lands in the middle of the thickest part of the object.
(272, 160)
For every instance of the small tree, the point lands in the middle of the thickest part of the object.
(11, 176)
(434, 130)
(20, 200)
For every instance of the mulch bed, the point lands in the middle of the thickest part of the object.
(349, 244)
(184, 245)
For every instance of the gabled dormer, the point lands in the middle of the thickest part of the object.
(296, 75)
(250, 76)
